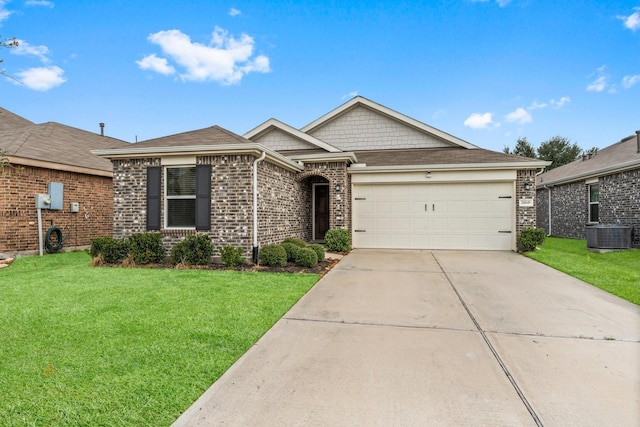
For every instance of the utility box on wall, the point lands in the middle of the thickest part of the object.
(75, 207)
(55, 192)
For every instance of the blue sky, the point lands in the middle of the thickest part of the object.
(488, 71)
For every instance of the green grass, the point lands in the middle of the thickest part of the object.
(99, 346)
(615, 272)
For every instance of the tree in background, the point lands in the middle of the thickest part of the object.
(523, 148)
(559, 150)
(8, 43)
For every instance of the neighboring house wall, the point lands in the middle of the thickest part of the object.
(620, 201)
(364, 129)
(18, 215)
(619, 204)
(569, 210)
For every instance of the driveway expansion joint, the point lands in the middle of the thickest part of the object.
(384, 325)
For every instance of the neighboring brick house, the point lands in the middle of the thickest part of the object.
(391, 180)
(38, 154)
(600, 188)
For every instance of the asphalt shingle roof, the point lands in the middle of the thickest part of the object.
(214, 135)
(9, 120)
(435, 156)
(618, 154)
(57, 143)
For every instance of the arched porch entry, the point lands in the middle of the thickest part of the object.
(317, 206)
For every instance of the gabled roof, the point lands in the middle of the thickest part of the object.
(212, 141)
(272, 124)
(56, 146)
(214, 135)
(623, 155)
(360, 101)
(9, 120)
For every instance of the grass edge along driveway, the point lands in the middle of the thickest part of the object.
(83, 345)
(615, 272)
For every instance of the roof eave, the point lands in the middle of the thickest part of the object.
(23, 161)
(348, 156)
(203, 150)
(448, 167)
(620, 167)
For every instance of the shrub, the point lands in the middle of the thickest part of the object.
(292, 250)
(319, 250)
(146, 248)
(231, 256)
(338, 240)
(298, 242)
(112, 251)
(273, 255)
(194, 250)
(307, 257)
(529, 238)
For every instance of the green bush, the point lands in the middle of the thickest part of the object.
(298, 242)
(529, 238)
(319, 250)
(273, 255)
(307, 257)
(337, 240)
(292, 250)
(232, 256)
(112, 251)
(146, 248)
(194, 250)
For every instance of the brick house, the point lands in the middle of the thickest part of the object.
(391, 180)
(38, 154)
(600, 188)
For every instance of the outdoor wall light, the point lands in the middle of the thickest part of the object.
(528, 185)
(338, 187)
(428, 174)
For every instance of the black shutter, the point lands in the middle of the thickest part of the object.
(203, 197)
(154, 176)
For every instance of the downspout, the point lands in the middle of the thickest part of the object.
(255, 205)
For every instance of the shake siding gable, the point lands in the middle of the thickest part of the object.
(278, 140)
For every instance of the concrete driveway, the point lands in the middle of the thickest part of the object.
(408, 338)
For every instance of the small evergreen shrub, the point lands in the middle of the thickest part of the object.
(319, 250)
(337, 240)
(272, 255)
(146, 248)
(193, 250)
(307, 257)
(529, 238)
(231, 256)
(112, 251)
(292, 250)
(298, 242)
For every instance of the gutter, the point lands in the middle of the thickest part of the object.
(450, 167)
(255, 206)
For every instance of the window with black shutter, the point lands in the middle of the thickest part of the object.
(153, 197)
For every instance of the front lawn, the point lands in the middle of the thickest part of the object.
(84, 345)
(615, 272)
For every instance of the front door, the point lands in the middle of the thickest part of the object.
(320, 210)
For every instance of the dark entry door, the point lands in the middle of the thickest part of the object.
(320, 211)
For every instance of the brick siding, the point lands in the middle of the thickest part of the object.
(619, 204)
(525, 215)
(18, 215)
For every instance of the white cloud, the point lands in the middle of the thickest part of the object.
(632, 21)
(44, 3)
(629, 81)
(479, 120)
(538, 105)
(234, 12)
(4, 13)
(600, 83)
(25, 48)
(501, 3)
(562, 101)
(225, 59)
(153, 63)
(350, 95)
(42, 78)
(520, 115)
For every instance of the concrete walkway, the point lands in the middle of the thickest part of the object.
(438, 338)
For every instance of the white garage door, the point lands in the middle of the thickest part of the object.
(433, 216)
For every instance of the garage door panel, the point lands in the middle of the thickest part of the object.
(434, 216)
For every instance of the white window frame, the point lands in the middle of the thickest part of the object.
(167, 197)
(590, 203)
